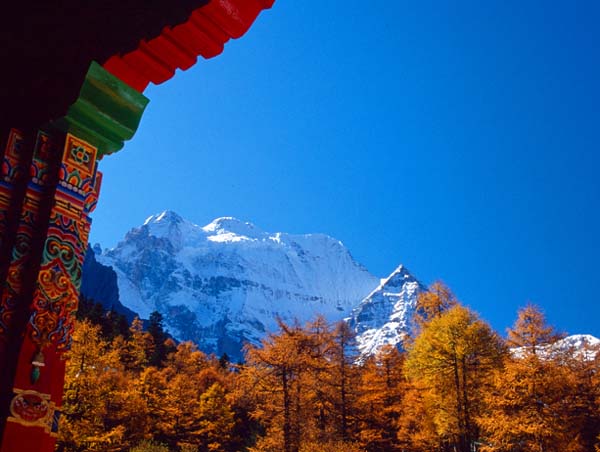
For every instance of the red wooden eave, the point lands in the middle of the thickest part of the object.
(204, 34)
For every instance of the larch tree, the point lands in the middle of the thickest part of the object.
(344, 380)
(381, 390)
(584, 408)
(135, 350)
(433, 303)
(329, 387)
(181, 412)
(450, 362)
(416, 426)
(318, 395)
(283, 375)
(528, 406)
(273, 375)
(216, 420)
(530, 331)
(151, 384)
(91, 379)
(596, 385)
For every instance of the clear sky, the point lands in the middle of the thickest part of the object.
(461, 139)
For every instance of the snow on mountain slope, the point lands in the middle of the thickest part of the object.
(385, 315)
(226, 283)
(579, 341)
(583, 346)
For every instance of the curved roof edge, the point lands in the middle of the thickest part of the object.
(177, 47)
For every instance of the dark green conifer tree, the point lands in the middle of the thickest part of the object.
(156, 330)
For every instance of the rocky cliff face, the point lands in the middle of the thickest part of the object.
(385, 315)
(99, 283)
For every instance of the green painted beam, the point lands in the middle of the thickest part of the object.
(107, 112)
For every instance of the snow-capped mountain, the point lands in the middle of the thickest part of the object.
(385, 315)
(584, 346)
(226, 283)
(578, 342)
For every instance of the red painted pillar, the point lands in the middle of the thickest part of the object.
(48, 187)
(26, 212)
(14, 171)
(40, 295)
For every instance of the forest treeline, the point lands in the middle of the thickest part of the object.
(458, 387)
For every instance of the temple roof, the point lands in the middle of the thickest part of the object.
(47, 48)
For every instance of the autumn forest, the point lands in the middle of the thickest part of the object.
(459, 386)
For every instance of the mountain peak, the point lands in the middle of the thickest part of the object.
(400, 270)
(397, 278)
(166, 216)
(225, 223)
(173, 227)
(385, 315)
(232, 229)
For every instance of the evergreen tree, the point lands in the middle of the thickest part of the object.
(224, 361)
(159, 337)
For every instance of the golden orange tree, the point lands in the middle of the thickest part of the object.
(450, 362)
(381, 390)
(534, 395)
(93, 377)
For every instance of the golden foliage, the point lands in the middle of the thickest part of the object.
(382, 388)
(450, 363)
(434, 302)
(543, 398)
(304, 389)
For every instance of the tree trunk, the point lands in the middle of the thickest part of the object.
(287, 433)
(466, 407)
(459, 410)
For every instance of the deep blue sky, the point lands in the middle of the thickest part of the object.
(461, 140)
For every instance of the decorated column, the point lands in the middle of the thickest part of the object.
(14, 170)
(27, 201)
(37, 387)
(46, 199)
